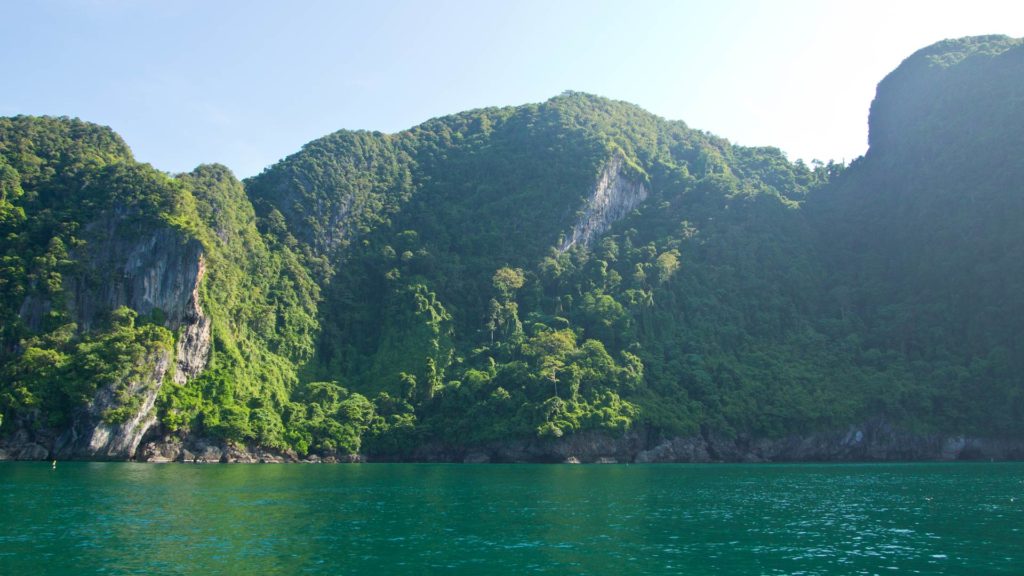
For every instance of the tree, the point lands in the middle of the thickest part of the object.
(507, 280)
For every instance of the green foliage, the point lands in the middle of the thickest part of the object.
(71, 199)
(708, 295)
(261, 302)
(923, 243)
(337, 187)
(381, 293)
(61, 370)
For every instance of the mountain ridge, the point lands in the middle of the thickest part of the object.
(576, 274)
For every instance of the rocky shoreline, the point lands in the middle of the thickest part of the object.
(873, 442)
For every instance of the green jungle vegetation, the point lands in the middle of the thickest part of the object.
(378, 292)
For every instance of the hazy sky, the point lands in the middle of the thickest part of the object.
(246, 83)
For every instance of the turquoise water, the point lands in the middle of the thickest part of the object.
(91, 518)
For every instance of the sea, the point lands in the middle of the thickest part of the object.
(379, 519)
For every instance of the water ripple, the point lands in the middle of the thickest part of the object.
(413, 519)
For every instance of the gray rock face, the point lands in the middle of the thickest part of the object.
(872, 441)
(196, 450)
(166, 451)
(90, 437)
(614, 196)
(193, 348)
(675, 450)
(476, 458)
(154, 273)
(32, 451)
(160, 272)
(32, 311)
(24, 446)
(157, 274)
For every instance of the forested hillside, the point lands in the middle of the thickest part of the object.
(536, 274)
(923, 241)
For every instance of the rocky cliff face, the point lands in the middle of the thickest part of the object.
(193, 348)
(92, 437)
(160, 273)
(157, 275)
(614, 196)
(154, 273)
(193, 450)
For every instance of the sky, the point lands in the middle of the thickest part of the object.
(246, 83)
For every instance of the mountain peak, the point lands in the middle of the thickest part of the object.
(953, 51)
(949, 90)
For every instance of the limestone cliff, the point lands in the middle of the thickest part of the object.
(153, 273)
(156, 274)
(193, 348)
(160, 273)
(92, 436)
(614, 196)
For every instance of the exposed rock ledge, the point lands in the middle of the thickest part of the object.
(614, 196)
(91, 437)
(157, 272)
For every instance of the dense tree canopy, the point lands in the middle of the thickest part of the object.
(381, 292)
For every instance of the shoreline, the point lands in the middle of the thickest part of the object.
(870, 442)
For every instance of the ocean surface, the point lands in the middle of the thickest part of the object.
(122, 518)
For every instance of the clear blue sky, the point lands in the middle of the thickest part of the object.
(245, 83)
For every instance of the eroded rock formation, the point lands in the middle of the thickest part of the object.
(614, 196)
